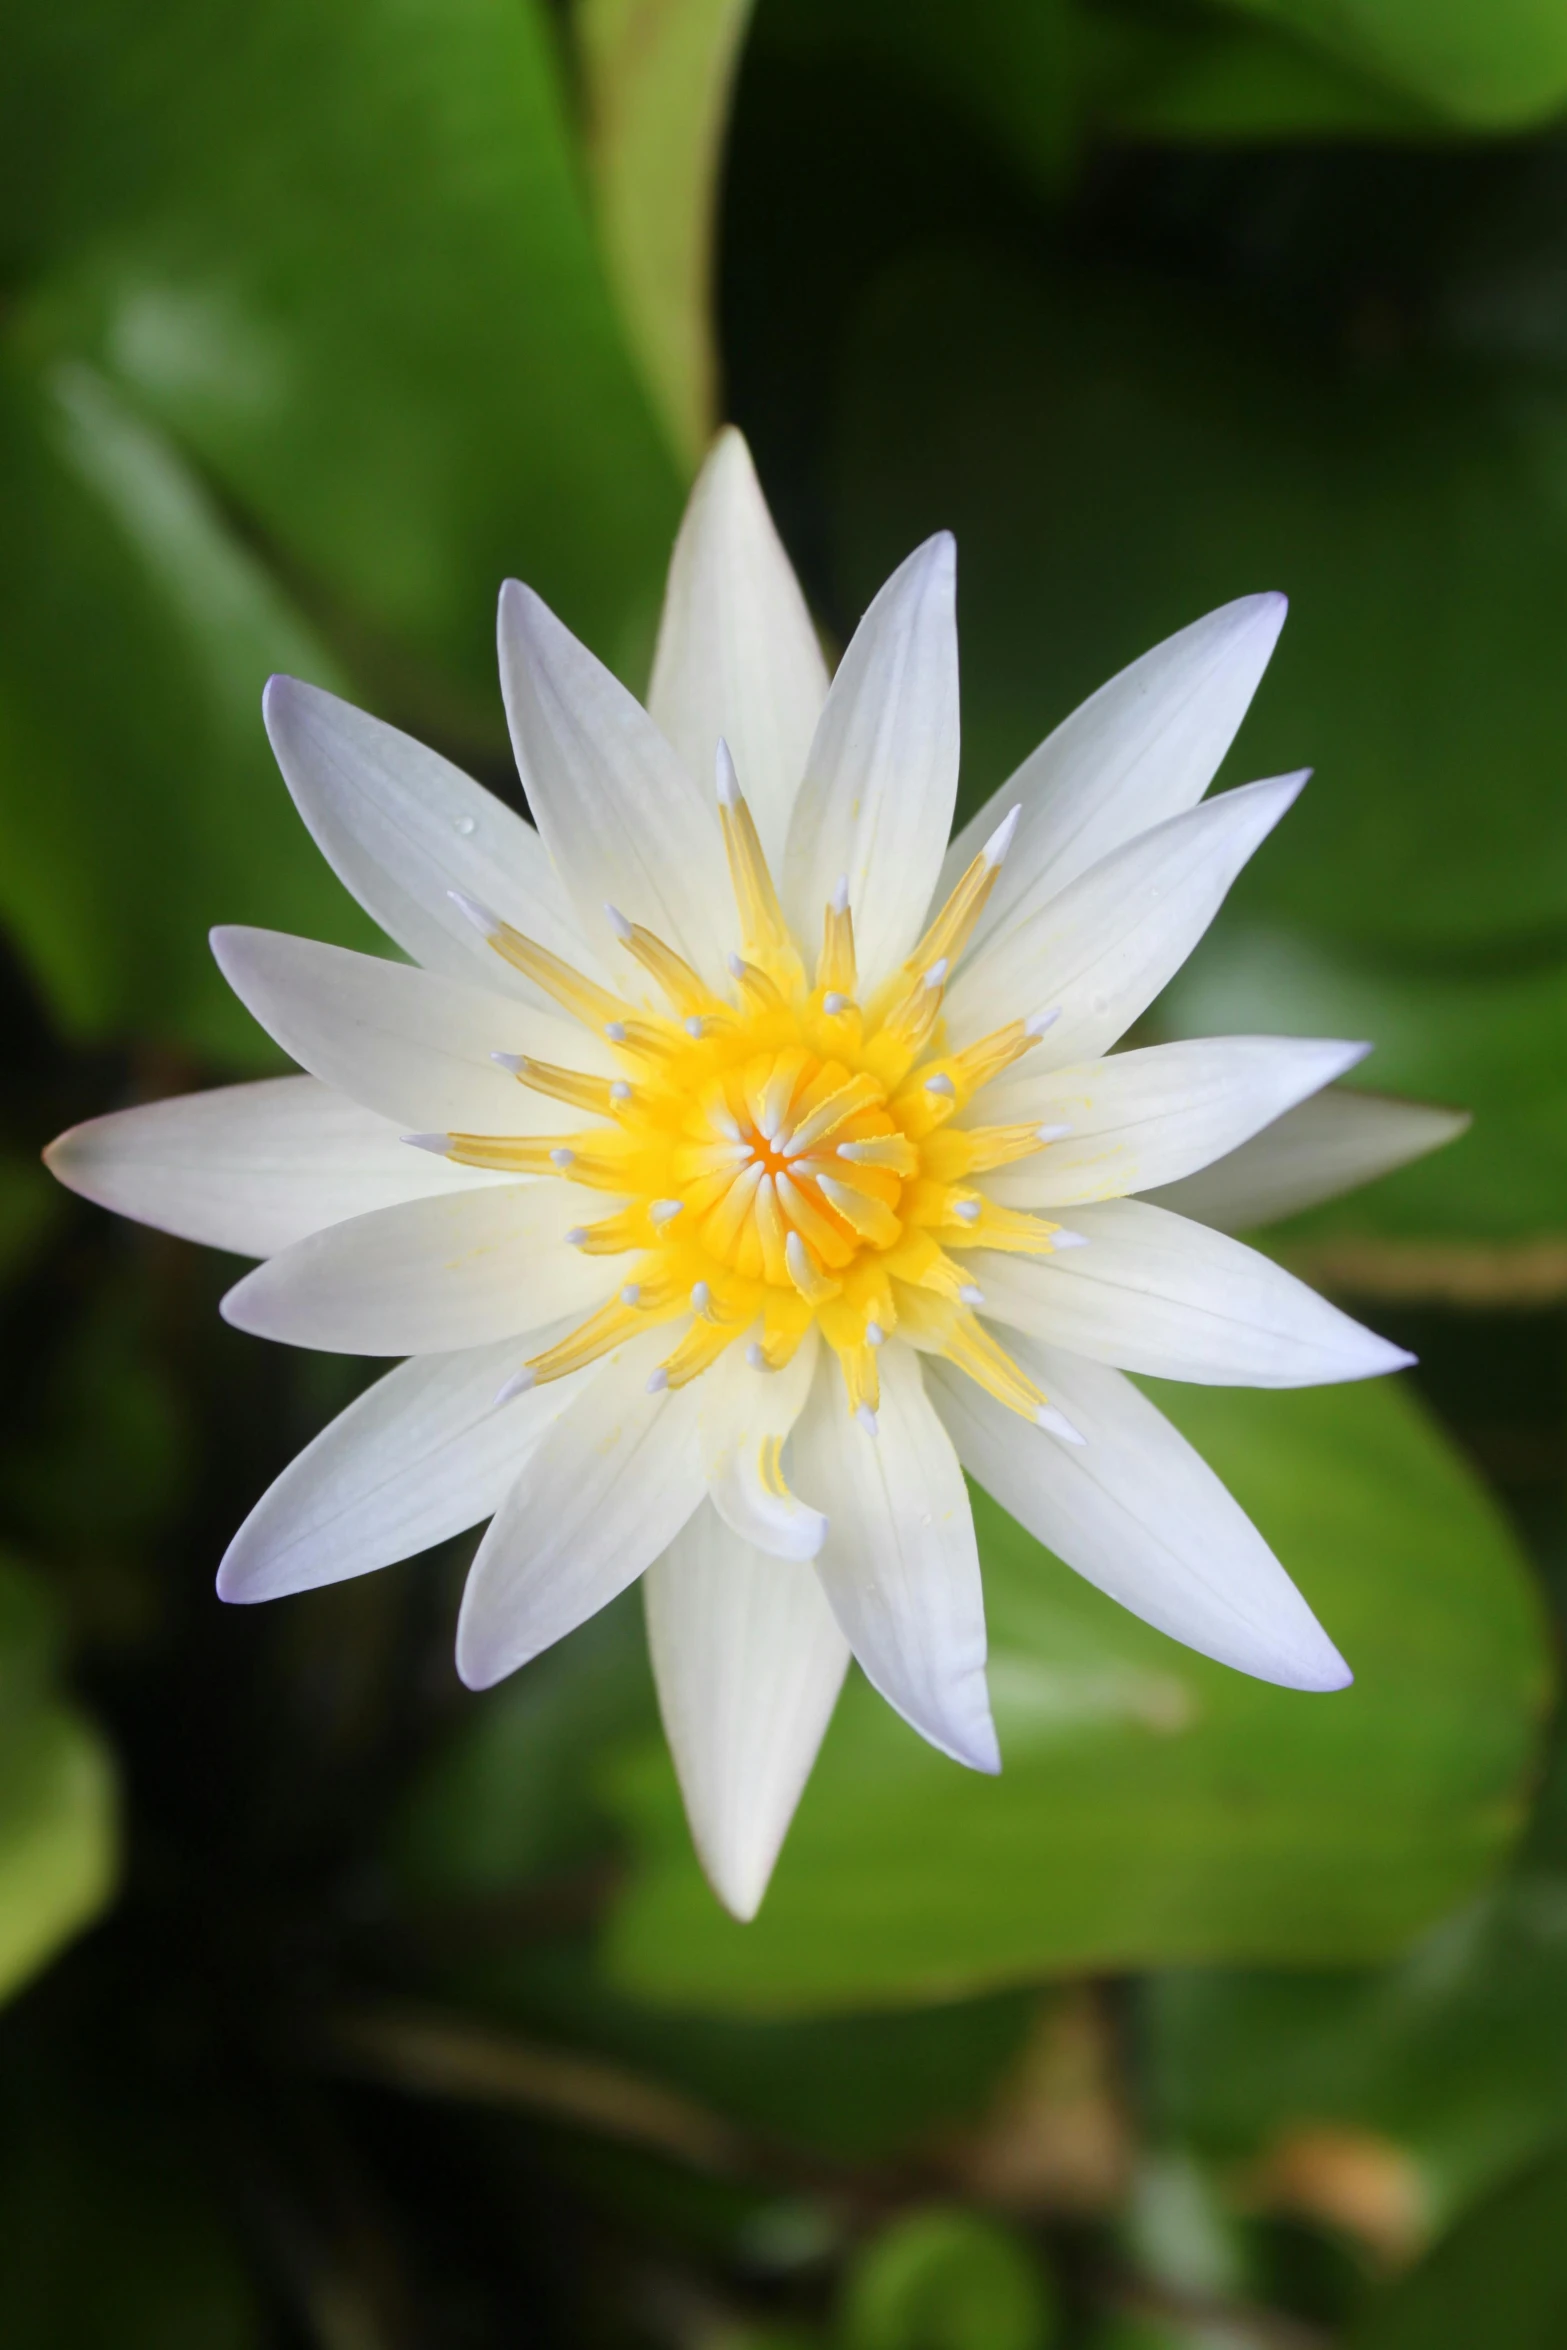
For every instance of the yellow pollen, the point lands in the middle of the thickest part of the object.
(782, 1155)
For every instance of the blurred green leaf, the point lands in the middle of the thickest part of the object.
(1489, 1041)
(57, 1802)
(658, 77)
(1116, 462)
(29, 1204)
(1500, 2279)
(1153, 1806)
(304, 311)
(946, 2279)
(1492, 65)
(1162, 74)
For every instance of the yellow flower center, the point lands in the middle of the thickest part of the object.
(785, 1156)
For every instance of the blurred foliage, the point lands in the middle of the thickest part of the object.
(407, 2023)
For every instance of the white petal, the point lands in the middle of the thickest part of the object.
(1149, 1117)
(1139, 1514)
(745, 1417)
(461, 1270)
(1101, 951)
(250, 1168)
(1143, 748)
(619, 1477)
(1154, 1293)
(402, 828)
(1313, 1153)
(882, 774)
(421, 1456)
(737, 656)
(410, 1044)
(900, 1564)
(749, 1660)
(623, 820)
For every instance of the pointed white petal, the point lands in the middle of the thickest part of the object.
(1155, 1293)
(1138, 1513)
(746, 1414)
(1149, 1117)
(900, 1564)
(463, 1269)
(402, 828)
(412, 1045)
(421, 1456)
(882, 773)
(1102, 950)
(737, 656)
(624, 822)
(1327, 1146)
(250, 1168)
(749, 1660)
(593, 1507)
(1144, 748)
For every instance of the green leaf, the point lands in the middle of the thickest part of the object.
(946, 2279)
(658, 76)
(1155, 1807)
(57, 1799)
(1116, 462)
(1160, 76)
(1495, 66)
(1500, 2279)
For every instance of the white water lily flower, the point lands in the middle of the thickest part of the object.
(748, 1127)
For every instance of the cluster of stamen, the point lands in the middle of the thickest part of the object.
(786, 1155)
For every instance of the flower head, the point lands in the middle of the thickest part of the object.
(736, 1163)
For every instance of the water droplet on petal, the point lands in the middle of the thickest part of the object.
(466, 825)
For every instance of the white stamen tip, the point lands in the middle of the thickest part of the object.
(840, 895)
(941, 1083)
(620, 1091)
(755, 1357)
(487, 924)
(1059, 1425)
(1051, 1133)
(439, 1143)
(694, 1025)
(970, 1295)
(936, 974)
(512, 1063)
(631, 1295)
(866, 1418)
(701, 1297)
(1066, 1239)
(664, 1211)
(728, 781)
(617, 921)
(995, 849)
(563, 1157)
(833, 1003)
(875, 1335)
(576, 1236)
(1041, 1021)
(966, 1210)
(657, 1381)
(615, 1030)
(518, 1384)
(736, 965)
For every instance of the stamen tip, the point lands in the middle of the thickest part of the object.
(439, 1143)
(736, 964)
(617, 922)
(728, 780)
(1059, 1425)
(631, 1295)
(562, 1157)
(620, 1091)
(966, 1210)
(971, 1295)
(512, 1063)
(615, 1030)
(866, 1418)
(756, 1358)
(1041, 1021)
(694, 1025)
(840, 895)
(833, 1003)
(658, 1380)
(664, 1211)
(576, 1236)
(1051, 1133)
(518, 1384)
(1062, 1238)
(937, 973)
(875, 1335)
(995, 849)
(941, 1083)
(701, 1297)
(487, 924)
